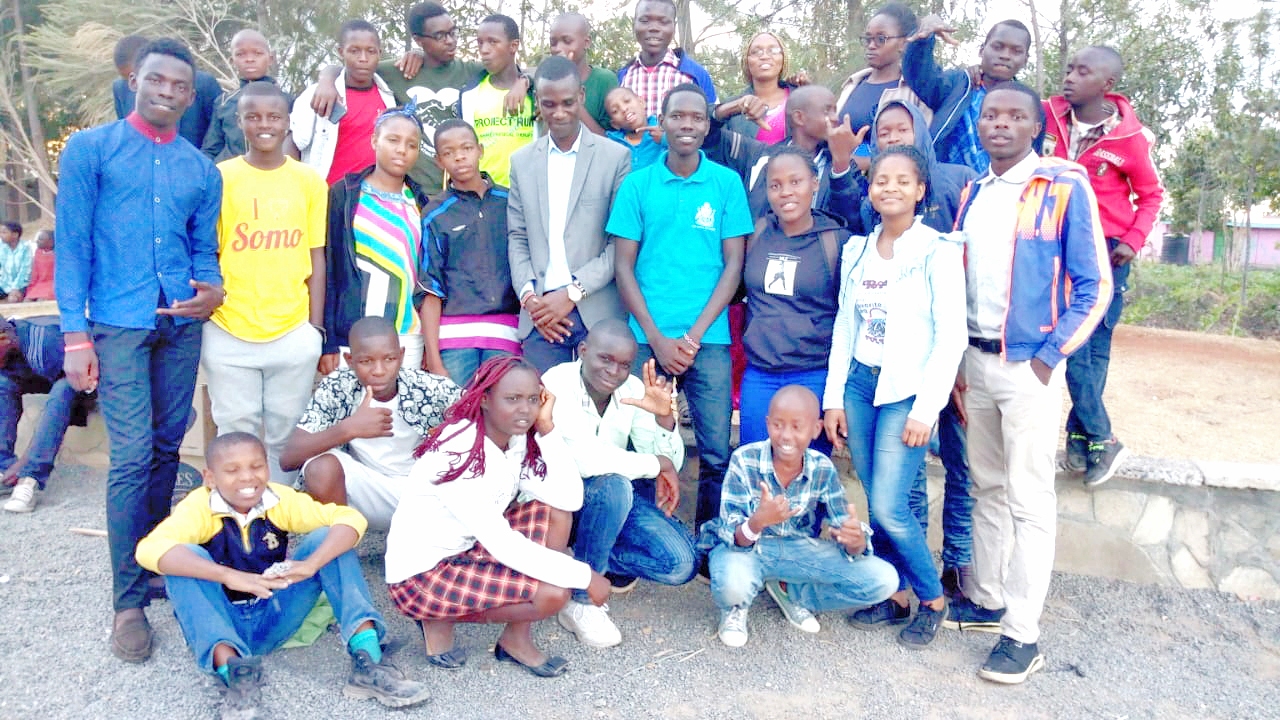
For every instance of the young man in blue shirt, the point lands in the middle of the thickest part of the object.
(679, 227)
(137, 273)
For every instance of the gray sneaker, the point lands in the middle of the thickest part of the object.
(733, 626)
(1105, 458)
(24, 496)
(242, 699)
(796, 614)
(383, 682)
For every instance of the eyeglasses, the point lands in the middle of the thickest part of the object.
(878, 40)
(762, 52)
(440, 36)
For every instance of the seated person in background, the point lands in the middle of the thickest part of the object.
(223, 553)
(194, 123)
(776, 495)
(338, 143)
(637, 132)
(625, 527)
(41, 284)
(481, 531)
(31, 363)
(15, 262)
(470, 312)
(252, 58)
(355, 441)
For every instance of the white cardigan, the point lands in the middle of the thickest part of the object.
(926, 331)
(434, 522)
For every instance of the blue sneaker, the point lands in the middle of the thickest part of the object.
(964, 614)
(1010, 661)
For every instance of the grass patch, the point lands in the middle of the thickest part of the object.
(1198, 298)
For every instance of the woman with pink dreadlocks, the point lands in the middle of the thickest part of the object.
(480, 533)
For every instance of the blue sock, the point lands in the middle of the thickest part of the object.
(366, 640)
(224, 672)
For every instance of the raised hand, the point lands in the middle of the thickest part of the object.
(544, 424)
(657, 392)
(842, 141)
(368, 421)
(773, 509)
(935, 25)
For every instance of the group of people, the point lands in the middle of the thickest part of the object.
(507, 281)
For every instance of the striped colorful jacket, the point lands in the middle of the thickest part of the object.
(1060, 279)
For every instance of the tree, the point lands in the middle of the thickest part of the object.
(21, 122)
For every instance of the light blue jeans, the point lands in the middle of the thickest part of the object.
(620, 530)
(887, 469)
(819, 574)
(256, 627)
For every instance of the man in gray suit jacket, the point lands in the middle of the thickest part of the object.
(562, 187)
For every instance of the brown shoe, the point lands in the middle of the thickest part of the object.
(131, 636)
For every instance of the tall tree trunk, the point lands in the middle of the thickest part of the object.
(854, 22)
(35, 128)
(684, 25)
(1039, 46)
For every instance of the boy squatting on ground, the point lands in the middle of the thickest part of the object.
(356, 439)
(775, 495)
(223, 554)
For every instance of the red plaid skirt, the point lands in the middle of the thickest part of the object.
(473, 581)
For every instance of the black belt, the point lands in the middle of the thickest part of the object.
(995, 347)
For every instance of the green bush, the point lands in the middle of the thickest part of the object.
(1199, 298)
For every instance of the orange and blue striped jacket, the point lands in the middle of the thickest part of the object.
(1060, 279)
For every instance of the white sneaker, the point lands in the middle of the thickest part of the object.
(733, 626)
(24, 496)
(798, 615)
(590, 624)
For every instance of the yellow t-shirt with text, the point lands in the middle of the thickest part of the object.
(500, 134)
(270, 222)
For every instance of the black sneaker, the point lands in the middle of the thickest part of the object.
(621, 584)
(923, 627)
(1077, 452)
(1104, 460)
(965, 614)
(242, 699)
(886, 612)
(383, 682)
(1010, 661)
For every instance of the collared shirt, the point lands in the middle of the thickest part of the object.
(218, 505)
(194, 124)
(423, 398)
(653, 83)
(680, 224)
(560, 167)
(989, 229)
(599, 442)
(15, 265)
(137, 220)
(1085, 136)
(965, 147)
(817, 492)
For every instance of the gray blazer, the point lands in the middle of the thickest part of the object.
(601, 166)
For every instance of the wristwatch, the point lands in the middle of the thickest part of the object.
(576, 291)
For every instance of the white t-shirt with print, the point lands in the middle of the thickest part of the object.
(870, 303)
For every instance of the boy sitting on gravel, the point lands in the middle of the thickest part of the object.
(776, 495)
(223, 554)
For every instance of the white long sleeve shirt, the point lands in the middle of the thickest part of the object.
(599, 442)
(437, 521)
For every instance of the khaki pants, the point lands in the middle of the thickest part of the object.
(1013, 436)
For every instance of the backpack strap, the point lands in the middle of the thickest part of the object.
(831, 248)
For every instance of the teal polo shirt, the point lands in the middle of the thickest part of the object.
(680, 223)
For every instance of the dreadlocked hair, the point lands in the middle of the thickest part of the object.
(466, 413)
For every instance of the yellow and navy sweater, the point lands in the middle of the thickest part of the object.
(252, 542)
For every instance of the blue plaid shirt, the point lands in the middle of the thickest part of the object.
(965, 147)
(817, 490)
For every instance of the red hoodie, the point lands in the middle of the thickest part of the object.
(1119, 167)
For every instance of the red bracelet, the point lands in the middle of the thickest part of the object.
(86, 345)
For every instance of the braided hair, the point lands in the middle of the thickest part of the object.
(466, 412)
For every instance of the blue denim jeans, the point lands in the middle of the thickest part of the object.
(1087, 368)
(546, 355)
(256, 627)
(463, 362)
(620, 530)
(957, 504)
(887, 469)
(145, 388)
(707, 386)
(819, 574)
(758, 387)
(46, 438)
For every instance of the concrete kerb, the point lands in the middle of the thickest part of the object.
(1210, 473)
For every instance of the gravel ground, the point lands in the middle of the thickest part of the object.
(1114, 650)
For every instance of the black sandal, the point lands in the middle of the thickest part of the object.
(554, 666)
(451, 659)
